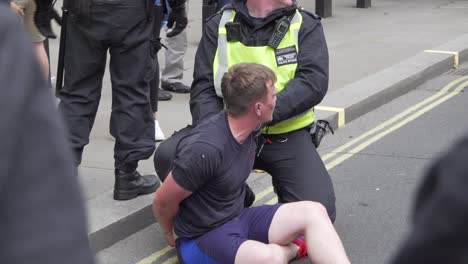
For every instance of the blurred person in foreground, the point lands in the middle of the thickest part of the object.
(42, 217)
(439, 232)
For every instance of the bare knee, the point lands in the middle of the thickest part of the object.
(314, 210)
(273, 255)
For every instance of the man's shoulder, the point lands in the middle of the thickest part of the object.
(211, 133)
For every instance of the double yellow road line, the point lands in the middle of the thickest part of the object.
(354, 146)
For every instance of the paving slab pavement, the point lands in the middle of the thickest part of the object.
(376, 54)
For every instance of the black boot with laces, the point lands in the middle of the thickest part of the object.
(129, 185)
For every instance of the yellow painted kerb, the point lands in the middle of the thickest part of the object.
(454, 53)
(341, 113)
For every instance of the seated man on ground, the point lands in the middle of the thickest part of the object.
(200, 205)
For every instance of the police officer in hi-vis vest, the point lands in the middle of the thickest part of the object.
(122, 28)
(291, 42)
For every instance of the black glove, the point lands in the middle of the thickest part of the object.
(178, 16)
(43, 16)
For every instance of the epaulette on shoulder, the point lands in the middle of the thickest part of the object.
(314, 16)
(226, 7)
(211, 17)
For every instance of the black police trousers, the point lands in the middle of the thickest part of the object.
(122, 28)
(298, 172)
(296, 169)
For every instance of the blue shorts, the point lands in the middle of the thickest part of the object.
(220, 245)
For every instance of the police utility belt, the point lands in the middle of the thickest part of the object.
(317, 131)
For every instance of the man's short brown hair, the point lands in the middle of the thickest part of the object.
(243, 84)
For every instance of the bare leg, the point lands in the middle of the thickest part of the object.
(310, 219)
(256, 252)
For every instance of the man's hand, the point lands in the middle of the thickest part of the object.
(170, 239)
(178, 16)
(16, 9)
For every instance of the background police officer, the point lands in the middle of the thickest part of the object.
(124, 29)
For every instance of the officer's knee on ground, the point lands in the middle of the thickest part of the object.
(166, 152)
(163, 158)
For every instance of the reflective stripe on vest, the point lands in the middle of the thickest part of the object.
(230, 53)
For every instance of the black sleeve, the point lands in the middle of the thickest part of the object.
(41, 211)
(195, 165)
(203, 99)
(439, 232)
(310, 83)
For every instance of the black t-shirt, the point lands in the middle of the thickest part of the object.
(214, 166)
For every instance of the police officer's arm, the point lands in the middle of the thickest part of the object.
(310, 83)
(203, 99)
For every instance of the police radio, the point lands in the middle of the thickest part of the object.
(280, 31)
(233, 31)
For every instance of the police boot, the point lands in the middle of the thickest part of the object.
(129, 185)
(43, 17)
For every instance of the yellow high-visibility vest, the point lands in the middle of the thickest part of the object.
(283, 62)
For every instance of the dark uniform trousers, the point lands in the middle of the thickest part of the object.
(297, 171)
(123, 29)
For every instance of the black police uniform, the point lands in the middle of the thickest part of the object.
(123, 28)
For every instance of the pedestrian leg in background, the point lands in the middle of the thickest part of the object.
(173, 72)
(154, 97)
(156, 94)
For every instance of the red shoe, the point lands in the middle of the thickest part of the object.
(302, 251)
